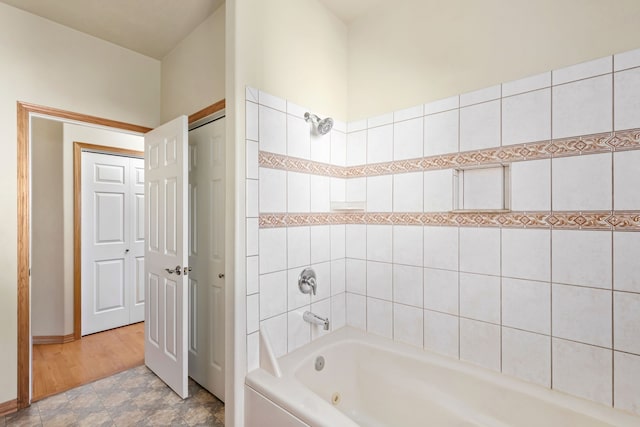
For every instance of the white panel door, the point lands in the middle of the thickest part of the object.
(206, 256)
(166, 253)
(136, 245)
(105, 236)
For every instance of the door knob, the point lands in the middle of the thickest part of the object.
(126, 251)
(176, 270)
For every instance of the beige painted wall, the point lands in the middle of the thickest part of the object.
(408, 52)
(48, 64)
(47, 257)
(193, 72)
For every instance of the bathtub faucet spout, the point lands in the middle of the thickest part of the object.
(316, 320)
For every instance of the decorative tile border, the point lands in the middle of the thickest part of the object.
(587, 144)
(595, 220)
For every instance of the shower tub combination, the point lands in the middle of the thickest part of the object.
(351, 378)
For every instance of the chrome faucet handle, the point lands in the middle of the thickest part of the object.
(307, 281)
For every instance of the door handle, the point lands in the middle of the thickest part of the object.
(220, 275)
(186, 270)
(177, 270)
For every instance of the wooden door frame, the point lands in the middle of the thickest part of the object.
(24, 112)
(78, 147)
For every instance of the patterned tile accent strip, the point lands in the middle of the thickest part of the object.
(587, 144)
(594, 220)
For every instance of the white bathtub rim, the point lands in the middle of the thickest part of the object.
(261, 381)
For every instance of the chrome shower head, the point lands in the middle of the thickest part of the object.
(322, 126)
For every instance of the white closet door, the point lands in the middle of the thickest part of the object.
(206, 256)
(136, 254)
(105, 242)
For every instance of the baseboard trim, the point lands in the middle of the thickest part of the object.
(9, 407)
(53, 339)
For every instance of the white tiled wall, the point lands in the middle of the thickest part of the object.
(556, 307)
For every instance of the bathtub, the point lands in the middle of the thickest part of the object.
(371, 381)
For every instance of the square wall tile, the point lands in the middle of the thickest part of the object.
(441, 105)
(338, 148)
(321, 148)
(480, 250)
(338, 189)
(438, 190)
(298, 246)
(627, 382)
(380, 193)
(407, 245)
(298, 192)
(581, 258)
(253, 313)
(480, 297)
(253, 352)
(356, 276)
(379, 238)
(582, 370)
(357, 148)
(273, 294)
(338, 311)
(320, 189)
(626, 180)
(273, 249)
(356, 241)
(273, 190)
(627, 99)
(527, 84)
(526, 254)
(252, 275)
(357, 125)
(380, 280)
(380, 317)
(251, 121)
(408, 113)
(252, 236)
(356, 189)
(357, 311)
(251, 94)
(295, 297)
(320, 243)
(526, 356)
(626, 268)
(441, 133)
(628, 59)
(526, 117)
(480, 343)
(338, 241)
(441, 247)
(408, 325)
(407, 192)
(626, 322)
(323, 282)
(441, 333)
(252, 160)
(582, 183)
(381, 120)
(273, 130)
(526, 305)
(338, 276)
(407, 285)
(582, 314)
(298, 138)
(480, 95)
(276, 330)
(251, 198)
(272, 101)
(299, 331)
(296, 110)
(380, 144)
(480, 126)
(407, 139)
(531, 185)
(441, 290)
(583, 107)
(583, 70)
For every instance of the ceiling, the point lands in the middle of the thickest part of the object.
(149, 27)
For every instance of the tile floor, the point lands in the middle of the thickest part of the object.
(131, 398)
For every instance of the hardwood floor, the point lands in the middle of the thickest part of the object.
(60, 367)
